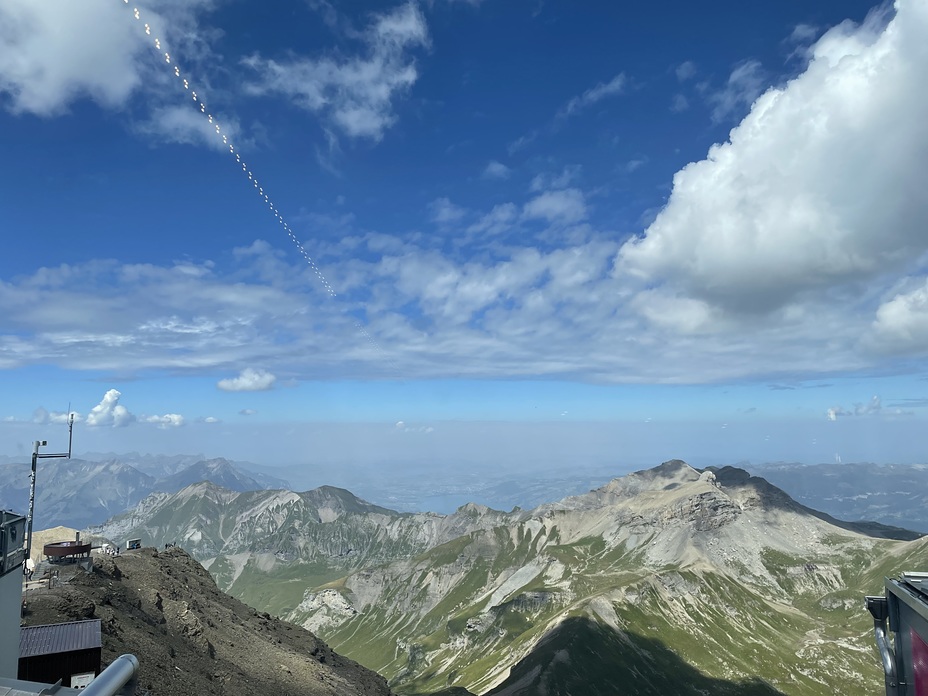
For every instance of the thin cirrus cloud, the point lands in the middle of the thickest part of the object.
(870, 408)
(496, 170)
(355, 96)
(745, 83)
(42, 416)
(560, 206)
(685, 71)
(442, 211)
(573, 107)
(593, 96)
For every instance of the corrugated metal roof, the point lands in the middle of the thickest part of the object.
(58, 638)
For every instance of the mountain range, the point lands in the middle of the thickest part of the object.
(82, 492)
(668, 580)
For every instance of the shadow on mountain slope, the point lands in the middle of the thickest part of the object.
(582, 656)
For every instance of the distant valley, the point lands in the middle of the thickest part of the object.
(892, 494)
(684, 581)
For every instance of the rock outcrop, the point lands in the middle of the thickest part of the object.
(190, 637)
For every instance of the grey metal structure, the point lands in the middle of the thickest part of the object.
(119, 679)
(35, 458)
(12, 555)
(903, 611)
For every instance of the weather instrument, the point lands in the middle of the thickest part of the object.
(36, 456)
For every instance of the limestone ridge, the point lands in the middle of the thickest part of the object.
(193, 639)
(722, 570)
(328, 526)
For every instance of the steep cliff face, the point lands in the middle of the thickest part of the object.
(190, 637)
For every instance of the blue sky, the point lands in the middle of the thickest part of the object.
(698, 232)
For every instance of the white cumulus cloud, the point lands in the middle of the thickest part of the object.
(249, 380)
(168, 420)
(818, 187)
(498, 220)
(55, 51)
(109, 412)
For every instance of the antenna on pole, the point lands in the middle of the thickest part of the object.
(70, 428)
(35, 457)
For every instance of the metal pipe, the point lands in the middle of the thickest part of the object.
(35, 457)
(878, 607)
(119, 679)
(886, 654)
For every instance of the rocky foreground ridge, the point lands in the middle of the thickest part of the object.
(190, 637)
(668, 580)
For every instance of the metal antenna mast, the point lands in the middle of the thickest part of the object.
(35, 458)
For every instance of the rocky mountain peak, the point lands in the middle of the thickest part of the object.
(331, 502)
(669, 476)
(474, 509)
(753, 491)
(216, 464)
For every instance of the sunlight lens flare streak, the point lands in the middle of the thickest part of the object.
(136, 13)
(265, 197)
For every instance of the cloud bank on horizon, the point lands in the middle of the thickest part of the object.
(795, 247)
